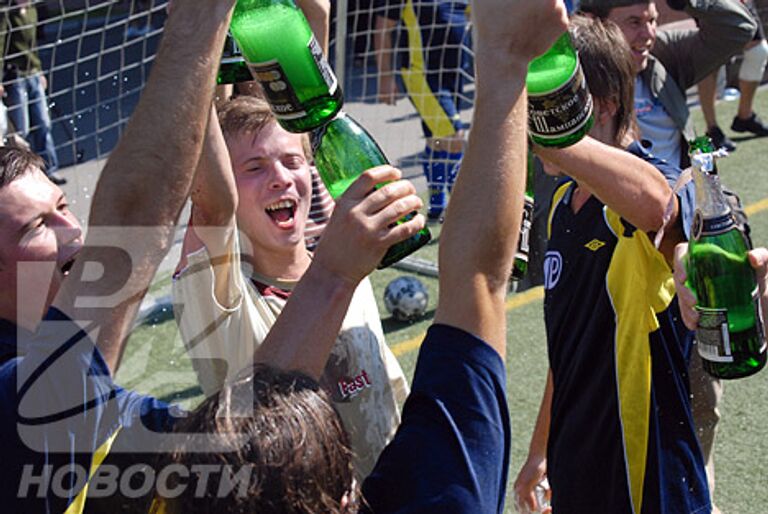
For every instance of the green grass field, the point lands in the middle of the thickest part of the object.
(155, 361)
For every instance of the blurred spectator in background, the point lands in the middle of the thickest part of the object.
(750, 75)
(435, 65)
(25, 85)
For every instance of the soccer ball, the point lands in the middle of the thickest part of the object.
(406, 298)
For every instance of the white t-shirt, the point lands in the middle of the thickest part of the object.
(656, 125)
(362, 375)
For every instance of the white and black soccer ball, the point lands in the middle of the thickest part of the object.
(406, 298)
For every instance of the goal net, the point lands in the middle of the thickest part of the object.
(424, 48)
(96, 56)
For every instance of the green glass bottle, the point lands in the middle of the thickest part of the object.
(343, 150)
(288, 62)
(233, 68)
(729, 333)
(559, 102)
(520, 267)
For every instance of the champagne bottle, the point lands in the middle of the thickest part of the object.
(559, 102)
(729, 333)
(288, 62)
(343, 150)
(520, 267)
(233, 68)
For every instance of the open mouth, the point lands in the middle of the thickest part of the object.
(282, 213)
(67, 266)
(641, 51)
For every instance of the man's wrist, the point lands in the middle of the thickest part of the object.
(332, 284)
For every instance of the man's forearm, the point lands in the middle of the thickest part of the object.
(147, 177)
(318, 14)
(214, 192)
(627, 184)
(488, 194)
(540, 436)
(161, 146)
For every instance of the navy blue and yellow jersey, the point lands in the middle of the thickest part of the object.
(621, 437)
(62, 416)
(434, 60)
(441, 25)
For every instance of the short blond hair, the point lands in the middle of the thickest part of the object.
(250, 114)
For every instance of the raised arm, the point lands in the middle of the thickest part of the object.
(627, 184)
(478, 241)
(147, 178)
(214, 203)
(318, 14)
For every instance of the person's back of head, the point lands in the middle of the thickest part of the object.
(607, 63)
(284, 441)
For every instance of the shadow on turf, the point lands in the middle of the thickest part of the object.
(184, 394)
(745, 137)
(160, 313)
(391, 325)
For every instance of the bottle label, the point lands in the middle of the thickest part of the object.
(279, 92)
(322, 64)
(710, 226)
(563, 111)
(759, 318)
(525, 230)
(712, 338)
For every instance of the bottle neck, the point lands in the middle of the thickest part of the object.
(710, 200)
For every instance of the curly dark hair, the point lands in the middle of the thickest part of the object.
(281, 425)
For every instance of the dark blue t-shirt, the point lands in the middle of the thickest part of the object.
(59, 405)
(451, 452)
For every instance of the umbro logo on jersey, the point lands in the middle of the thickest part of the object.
(553, 267)
(594, 245)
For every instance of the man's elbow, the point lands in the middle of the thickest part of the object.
(214, 211)
(743, 33)
(748, 32)
(653, 215)
(221, 215)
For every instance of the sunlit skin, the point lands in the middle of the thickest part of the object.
(36, 225)
(271, 170)
(638, 22)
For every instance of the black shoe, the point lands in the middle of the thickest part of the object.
(57, 179)
(752, 124)
(720, 140)
(434, 216)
